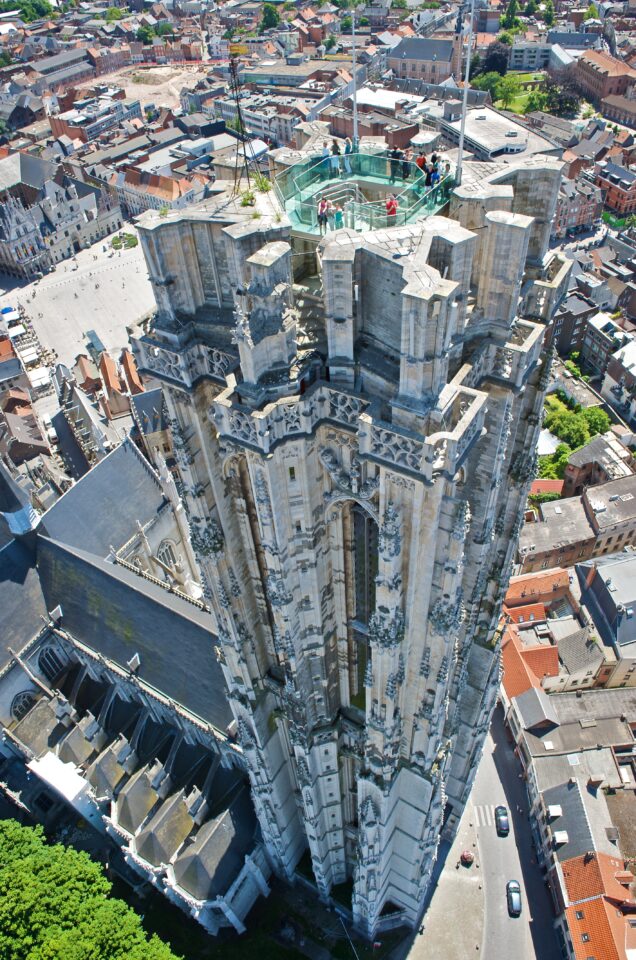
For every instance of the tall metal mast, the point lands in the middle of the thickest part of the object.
(462, 128)
(356, 138)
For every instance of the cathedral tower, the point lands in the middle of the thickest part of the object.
(355, 451)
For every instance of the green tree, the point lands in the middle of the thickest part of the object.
(496, 58)
(345, 25)
(507, 89)
(510, 19)
(530, 8)
(552, 466)
(145, 35)
(112, 14)
(399, 4)
(55, 903)
(475, 66)
(270, 18)
(591, 13)
(597, 420)
(330, 43)
(488, 81)
(561, 97)
(549, 16)
(536, 101)
(163, 29)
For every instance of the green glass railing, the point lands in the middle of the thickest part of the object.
(372, 215)
(298, 188)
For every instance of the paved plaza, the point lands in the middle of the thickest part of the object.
(100, 290)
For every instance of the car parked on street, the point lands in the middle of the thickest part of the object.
(513, 896)
(501, 821)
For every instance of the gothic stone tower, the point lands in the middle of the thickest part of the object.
(354, 466)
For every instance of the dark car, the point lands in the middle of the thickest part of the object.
(501, 821)
(513, 896)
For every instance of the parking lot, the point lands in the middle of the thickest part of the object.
(99, 290)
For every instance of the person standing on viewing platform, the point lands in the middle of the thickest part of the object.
(347, 155)
(395, 157)
(335, 158)
(324, 163)
(331, 215)
(421, 161)
(391, 210)
(407, 160)
(338, 218)
(323, 206)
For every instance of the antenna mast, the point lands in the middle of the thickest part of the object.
(462, 128)
(235, 92)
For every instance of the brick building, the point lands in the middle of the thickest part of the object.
(600, 75)
(619, 187)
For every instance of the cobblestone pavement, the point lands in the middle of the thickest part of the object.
(94, 292)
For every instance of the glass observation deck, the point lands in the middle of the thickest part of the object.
(360, 185)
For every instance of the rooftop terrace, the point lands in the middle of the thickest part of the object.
(360, 183)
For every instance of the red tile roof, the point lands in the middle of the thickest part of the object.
(527, 613)
(544, 586)
(546, 486)
(599, 907)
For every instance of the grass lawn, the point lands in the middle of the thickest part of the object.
(616, 222)
(517, 105)
(526, 77)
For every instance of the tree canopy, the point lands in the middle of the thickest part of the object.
(30, 10)
(591, 13)
(507, 89)
(54, 903)
(496, 58)
(145, 35)
(270, 18)
(510, 19)
(549, 16)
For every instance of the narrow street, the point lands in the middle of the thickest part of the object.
(468, 914)
(509, 858)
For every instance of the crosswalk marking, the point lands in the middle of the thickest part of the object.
(484, 814)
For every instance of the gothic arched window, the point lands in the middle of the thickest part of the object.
(22, 703)
(166, 554)
(50, 663)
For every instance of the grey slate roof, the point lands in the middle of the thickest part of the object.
(423, 48)
(149, 411)
(103, 508)
(578, 652)
(118, 613)
(22, 602)
(208, 866)
(573, 820)
(536, 708)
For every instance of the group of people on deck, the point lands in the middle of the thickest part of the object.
(336, 160)
(401, 166)
(330, 215)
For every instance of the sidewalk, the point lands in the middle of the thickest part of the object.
(454, 921)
